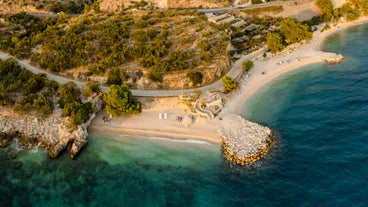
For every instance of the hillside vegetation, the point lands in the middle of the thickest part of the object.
(34, 94)
(141, 47)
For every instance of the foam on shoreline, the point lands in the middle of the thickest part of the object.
(192, 141)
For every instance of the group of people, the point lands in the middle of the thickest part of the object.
(179, 118)
(106, 118)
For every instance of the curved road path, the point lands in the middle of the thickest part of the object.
(235, 72)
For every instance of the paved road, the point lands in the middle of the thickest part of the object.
(235, 72)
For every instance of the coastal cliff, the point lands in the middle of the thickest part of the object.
(46, 132)
(245, 142)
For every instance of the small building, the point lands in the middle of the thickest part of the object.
(251, 28)
(241, 39)
(238, 24)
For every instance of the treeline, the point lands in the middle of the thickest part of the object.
(290, 31)
(26, 92)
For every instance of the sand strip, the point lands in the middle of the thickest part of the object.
(148, 123)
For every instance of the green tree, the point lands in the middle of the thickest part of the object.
(71, 107)
(274, 43)
(257, 1)
(61, 17)
(294, 31)
(97, 69)
(326, 7)
(69, 93)
(35, 83)
(90, 88)
(364, 6)
(116, 76)
(229, 83)
(5, 100)
(52, 86)
(195, 77)
(247, 65)
(350, 11)
(155, 75)
(82, 114)
(42, 104)
(346, 8)
(96, 6)
(119, 100)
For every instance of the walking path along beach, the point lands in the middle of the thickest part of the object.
(265, 70)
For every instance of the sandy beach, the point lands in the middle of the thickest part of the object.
(149, 123)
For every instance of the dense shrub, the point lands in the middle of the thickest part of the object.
(247, 65)
(91, 88)
(195, 77)
(155, 75)
(229, 83)
(116, 76)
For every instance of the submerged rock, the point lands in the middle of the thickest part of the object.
(5, 139)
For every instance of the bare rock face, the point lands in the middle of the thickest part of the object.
(47, 132)
(30, 131)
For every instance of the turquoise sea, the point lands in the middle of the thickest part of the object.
(320, 115)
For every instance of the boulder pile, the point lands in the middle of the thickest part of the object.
(245, 142)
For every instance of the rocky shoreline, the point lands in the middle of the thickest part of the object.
(46, 132)
(245, 142)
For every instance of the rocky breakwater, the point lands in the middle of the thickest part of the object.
(243, 141)
(334, 58)
(46, 132)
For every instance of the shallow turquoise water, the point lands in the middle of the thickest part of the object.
(319, 114)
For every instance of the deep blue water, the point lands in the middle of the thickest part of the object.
(320, 115)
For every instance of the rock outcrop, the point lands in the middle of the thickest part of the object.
(245, 142)
(47, 132)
